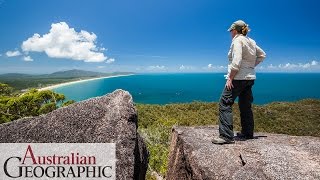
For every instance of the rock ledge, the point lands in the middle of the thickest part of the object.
(108, 119)
(270, 156)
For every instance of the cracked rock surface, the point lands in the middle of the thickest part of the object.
(268, 156)
(107, 119)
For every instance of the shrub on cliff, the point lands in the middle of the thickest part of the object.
(31, 103)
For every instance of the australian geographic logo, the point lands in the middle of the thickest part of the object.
(72, 165)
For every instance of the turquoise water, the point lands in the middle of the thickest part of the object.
(181, 88)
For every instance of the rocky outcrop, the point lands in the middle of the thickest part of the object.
(107, 119)
(268, 156)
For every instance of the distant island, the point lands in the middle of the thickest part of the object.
(22, 82)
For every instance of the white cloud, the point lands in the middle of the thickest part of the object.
(0, 55)
(305, 66)
(313, 65)
(111, 60)
(64, 42)
(157, 68)
(186, 68)
(211, 67)
(13, 53)
(182, 67)
(27, 58)
(271, 66)
(102, 49)
(297, 66)
(100, 67)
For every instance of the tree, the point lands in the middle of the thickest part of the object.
(68, 103)
(31, 103)
(5, 89)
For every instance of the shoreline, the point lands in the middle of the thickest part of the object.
(79, 81)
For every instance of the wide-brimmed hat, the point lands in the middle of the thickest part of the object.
(237, 25)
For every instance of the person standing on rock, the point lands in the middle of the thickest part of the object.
(244, 55)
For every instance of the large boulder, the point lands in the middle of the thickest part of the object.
(269, 156)
(107, 119)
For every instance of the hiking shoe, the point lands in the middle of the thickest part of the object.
(243, 136)
(222, 140)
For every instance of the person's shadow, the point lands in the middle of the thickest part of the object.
(240, 138)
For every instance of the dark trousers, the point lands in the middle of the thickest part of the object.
(241, 89)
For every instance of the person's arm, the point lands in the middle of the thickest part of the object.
(261, 55)
(230, 78)
(236, 62)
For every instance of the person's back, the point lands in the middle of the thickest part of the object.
(244, 53)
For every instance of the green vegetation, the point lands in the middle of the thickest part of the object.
(300, 118)
(32, 103)
(26, 81)
(34, 82)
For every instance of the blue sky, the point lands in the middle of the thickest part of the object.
(153, 35)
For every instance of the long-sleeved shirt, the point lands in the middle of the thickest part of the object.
(243, 54)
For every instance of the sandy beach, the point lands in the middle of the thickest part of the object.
(79, 81)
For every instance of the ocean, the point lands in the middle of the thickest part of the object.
(206, 87)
